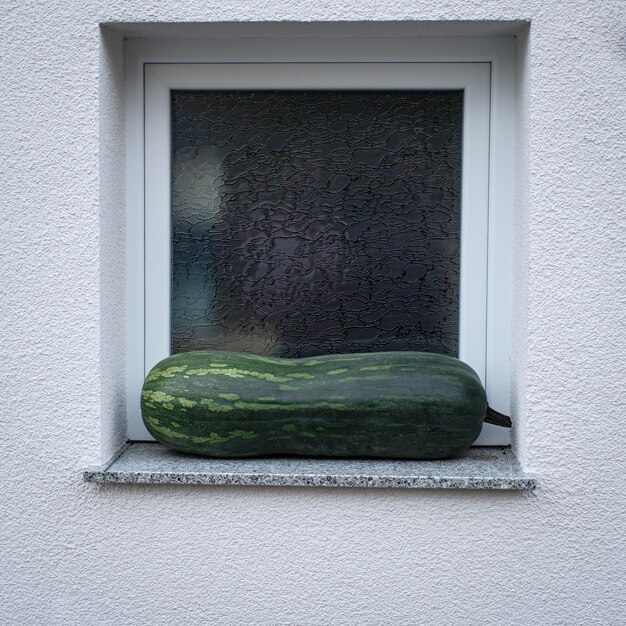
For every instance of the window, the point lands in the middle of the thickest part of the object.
(414, 235)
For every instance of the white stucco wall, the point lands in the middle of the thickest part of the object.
(74, 553)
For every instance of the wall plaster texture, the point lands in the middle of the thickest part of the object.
(76, 553)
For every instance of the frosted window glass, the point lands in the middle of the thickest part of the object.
(316, 222)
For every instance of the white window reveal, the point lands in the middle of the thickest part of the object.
(296, 209)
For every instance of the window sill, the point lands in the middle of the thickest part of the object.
(478, 468)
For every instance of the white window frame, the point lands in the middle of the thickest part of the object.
(485, 293)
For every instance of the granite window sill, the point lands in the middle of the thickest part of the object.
(479, 468)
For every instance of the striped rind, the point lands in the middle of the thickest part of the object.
(384, 404)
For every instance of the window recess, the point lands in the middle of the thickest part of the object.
(309, 207)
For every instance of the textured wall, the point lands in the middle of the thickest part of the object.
(79, 554)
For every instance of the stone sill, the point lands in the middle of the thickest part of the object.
(478, 468)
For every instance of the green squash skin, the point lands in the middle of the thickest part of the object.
(403, 405)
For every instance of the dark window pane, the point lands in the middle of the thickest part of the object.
(316, 222)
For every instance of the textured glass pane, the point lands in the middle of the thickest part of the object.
(316, 222)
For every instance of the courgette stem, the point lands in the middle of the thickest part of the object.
(499, 419)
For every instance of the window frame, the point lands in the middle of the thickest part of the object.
(484, 336)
